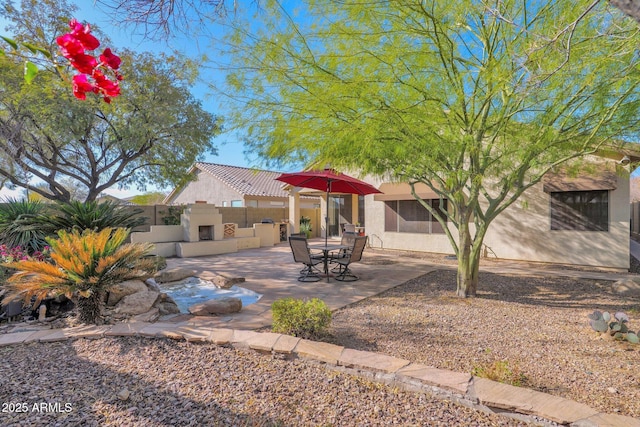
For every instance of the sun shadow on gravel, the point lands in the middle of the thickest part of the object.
(175, 383)
(56, 384)
(548, 291)
(538, 324)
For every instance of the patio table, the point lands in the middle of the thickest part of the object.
(326, 251)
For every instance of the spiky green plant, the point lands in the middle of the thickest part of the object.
(24, 223)
(95, 216)
(83, 266)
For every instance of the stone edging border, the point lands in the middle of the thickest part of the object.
(478, 393)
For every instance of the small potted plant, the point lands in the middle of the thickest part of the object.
(305, 226)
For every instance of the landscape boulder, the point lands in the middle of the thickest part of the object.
(166, 305)
(150, 316)
(137, 303)
(216, 306)
(152, 285)
(173, 275)
(119, 291)
(220, 280)
(627, 288)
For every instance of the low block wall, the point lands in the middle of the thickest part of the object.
(158, 234)
(166, 250)
(207, 247)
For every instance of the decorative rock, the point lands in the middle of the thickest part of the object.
(119, 291)
(137, 303)
(167, 307)
(626, 287)
(220, 280)
(152, 285)
(216, 306)
(173, 275)
(124, 394)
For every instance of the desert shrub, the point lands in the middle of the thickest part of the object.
(24, 224)
(501, 371)
(95, 216)
(172, 215)
(305, 319)
(27, 224)
(82, 267)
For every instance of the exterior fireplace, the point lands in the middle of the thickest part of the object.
(205, 232)
(202, 223)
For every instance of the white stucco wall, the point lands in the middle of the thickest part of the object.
(207, 188)
(523, 232)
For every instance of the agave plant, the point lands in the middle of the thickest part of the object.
(83, 266)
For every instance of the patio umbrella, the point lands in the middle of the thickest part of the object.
(330, 181)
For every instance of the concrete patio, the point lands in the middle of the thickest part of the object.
(272, 273)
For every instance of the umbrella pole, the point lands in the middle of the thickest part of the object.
(326, 217)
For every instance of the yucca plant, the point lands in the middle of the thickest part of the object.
(83, 266)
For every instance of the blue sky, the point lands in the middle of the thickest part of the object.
(229, 150)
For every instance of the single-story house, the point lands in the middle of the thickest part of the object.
(580, 220)
(234, 186)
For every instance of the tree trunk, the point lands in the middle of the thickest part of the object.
(468, 263)
(90, 309)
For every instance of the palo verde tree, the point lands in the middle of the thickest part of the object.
(477, 100)
(150, 134)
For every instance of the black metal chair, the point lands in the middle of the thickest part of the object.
(301, 254)
(355, 255)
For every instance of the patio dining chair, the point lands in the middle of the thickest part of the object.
(348, 239)
(301, 254)
(355, 255)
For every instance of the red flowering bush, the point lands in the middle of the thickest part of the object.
(94, 72)
(17, 253)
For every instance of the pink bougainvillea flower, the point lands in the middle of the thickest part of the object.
(81, 86)
(110, 59)
(69, 45)
(83, 35)
(74, 47)
(84, 63)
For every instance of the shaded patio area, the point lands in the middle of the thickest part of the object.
(273, 273)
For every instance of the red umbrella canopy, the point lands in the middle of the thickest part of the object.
(328, 180)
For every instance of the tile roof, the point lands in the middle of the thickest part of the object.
(248, 181)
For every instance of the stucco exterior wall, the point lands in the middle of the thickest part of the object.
(207, 188)
(523, 232)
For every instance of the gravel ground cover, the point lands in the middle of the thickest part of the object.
(159, 382)
(534, 330)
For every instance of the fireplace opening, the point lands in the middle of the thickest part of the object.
(205, 232)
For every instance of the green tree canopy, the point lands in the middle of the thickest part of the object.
(151, 134)
(477, 100)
